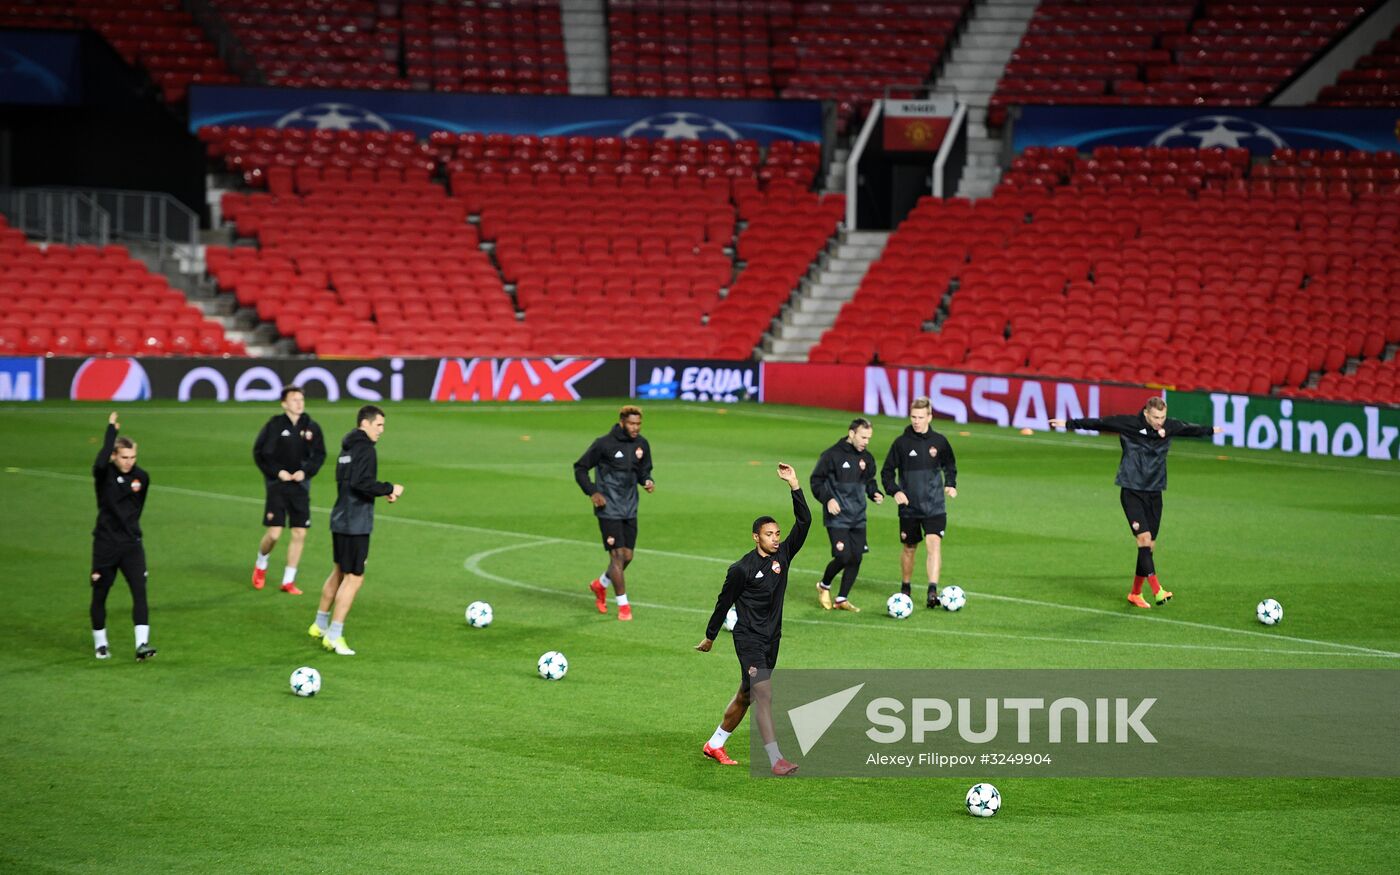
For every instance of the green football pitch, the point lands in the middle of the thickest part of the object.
(437, 748)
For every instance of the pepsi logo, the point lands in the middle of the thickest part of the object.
(110, 379)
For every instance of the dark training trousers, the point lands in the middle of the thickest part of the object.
(107, 560)
(848, 547)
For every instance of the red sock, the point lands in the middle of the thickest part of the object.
(1137, 586)
(1152, 581)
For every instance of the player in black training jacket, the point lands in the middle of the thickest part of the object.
(920, 473)
(843, 478)
(754, 587)
(1142, 477)
(352, 520)
(623, 459)
(289, 451)
(121, 487)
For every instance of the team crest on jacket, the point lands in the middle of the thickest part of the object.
(777, 568)
(862, 464)
(306, 434)
(638, 453)
(136, 486)
(933, 452)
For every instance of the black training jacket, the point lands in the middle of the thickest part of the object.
(622, 464)
(282, 446)
(847, 476)
(920, 465)
(120, 497)
(754, 586)
(356, 485)
(1144, 464)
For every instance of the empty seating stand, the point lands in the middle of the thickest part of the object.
(590, 238)
(1147, 265)
(85, 300)
(845, 52)
(506, 47)
(1373, 82)
(158, 36)
(1216, 53)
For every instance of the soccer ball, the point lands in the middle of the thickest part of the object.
(899, 606)
(730, 619)
(952, 598)
(1269, 612)
(983, 800)
(553, 666)
(479, 615)
(306, 681)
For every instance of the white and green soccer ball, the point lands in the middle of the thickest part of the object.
(983, 800)
(1269, 612)
(553, 666)
(730, 619)
(952, 598)
(899, 606)
(479, 615)
(306, 681)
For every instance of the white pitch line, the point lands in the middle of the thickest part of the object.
(472, 564)
(1269, 635)
(539, 539)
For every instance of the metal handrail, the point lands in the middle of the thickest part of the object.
(150, 217)
(58, 216)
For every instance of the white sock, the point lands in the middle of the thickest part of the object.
(261, 564)
(323, 620)
(99, 638)
(603, 579)
(337, 630)
(143, 635)
(622, 601)
(289, 576)
(771, 748)
(719, 738)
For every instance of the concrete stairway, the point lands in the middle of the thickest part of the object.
(974, 65)
(585, 24)
(830, 283)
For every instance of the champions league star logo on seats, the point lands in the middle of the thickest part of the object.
(21, 77)
(1227, 131)
(333, 117)
(681, 126)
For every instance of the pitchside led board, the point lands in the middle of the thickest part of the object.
(916, 125)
